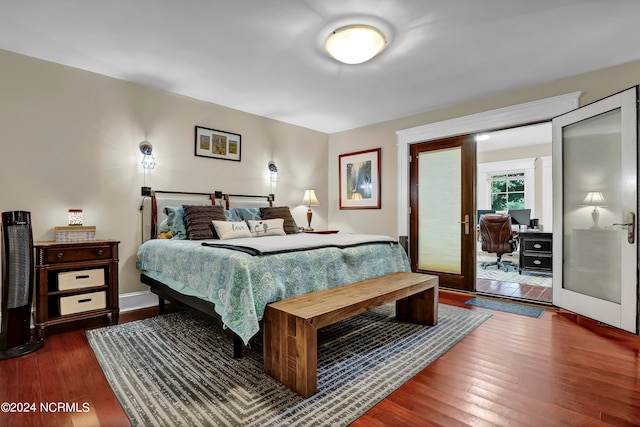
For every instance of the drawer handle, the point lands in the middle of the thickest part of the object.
(59, 255)
(83, 276)
(537, 262)
(537, 246)
(100, 251)
(84, 300)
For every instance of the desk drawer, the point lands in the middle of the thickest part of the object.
(80, 279)
(83, 302)
(78, 254)
(537, 246)
(537, 261)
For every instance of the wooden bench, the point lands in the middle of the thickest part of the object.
(290, 326)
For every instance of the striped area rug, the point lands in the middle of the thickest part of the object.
(177, 370)
(526, 278)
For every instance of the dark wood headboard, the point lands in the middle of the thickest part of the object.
(213, 196)
(269, 198)
(154, 205)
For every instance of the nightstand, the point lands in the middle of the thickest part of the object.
(75, 281)
(322, 231)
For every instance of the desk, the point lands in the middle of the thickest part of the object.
(536, 251)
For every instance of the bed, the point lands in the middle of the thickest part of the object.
(231, 280)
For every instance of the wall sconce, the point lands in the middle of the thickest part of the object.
(273, 172)
(75, 216)
(148, 162)
(310, 199)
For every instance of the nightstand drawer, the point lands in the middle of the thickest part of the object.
(80, 279)
(83, 302)
(78, 254)
(537, 261)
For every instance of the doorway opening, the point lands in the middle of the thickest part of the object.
(514, 180)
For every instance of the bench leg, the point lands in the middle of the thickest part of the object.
(238, 347)
(421, 308)
(290, 351)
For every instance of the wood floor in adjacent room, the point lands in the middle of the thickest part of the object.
(513, 370)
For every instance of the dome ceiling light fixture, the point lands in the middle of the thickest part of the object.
(355, 44)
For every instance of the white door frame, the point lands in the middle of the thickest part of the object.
(544, 109)
(622, 315)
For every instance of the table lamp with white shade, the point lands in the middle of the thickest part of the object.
(310, 199)
(595, 199)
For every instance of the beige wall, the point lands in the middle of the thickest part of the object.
(594, 85)
(69, 139)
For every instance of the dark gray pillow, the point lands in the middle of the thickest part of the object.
(198, 219)
(290, 226)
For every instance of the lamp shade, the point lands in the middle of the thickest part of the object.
(594, 198)
(355, 44)
(148, 162)
(273, 172)
(310, 198)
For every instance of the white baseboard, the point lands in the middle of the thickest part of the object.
(137, 300)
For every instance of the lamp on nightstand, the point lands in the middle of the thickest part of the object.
(310, 199)
(595, 199)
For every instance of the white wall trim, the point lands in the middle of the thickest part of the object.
(546, 219)
(137, 300)
(544, 109)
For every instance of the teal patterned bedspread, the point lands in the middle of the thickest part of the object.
(241, 285)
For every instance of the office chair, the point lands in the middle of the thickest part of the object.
(495, 231)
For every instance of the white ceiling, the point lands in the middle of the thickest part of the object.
(521, 136)
(264, 57)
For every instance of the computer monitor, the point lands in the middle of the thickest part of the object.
(520, 216)
(482, 212)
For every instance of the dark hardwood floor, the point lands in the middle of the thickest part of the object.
(541, 294)
(513, 370)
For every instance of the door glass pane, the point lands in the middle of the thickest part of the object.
(592, 203)
(440, 202)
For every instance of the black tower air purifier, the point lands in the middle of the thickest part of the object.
(16, 291)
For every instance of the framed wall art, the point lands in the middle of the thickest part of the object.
(217, 144)
(359, 179)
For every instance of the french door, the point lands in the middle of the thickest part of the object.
(595, 250)
(442, 228)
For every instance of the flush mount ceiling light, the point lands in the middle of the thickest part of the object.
(355, 44)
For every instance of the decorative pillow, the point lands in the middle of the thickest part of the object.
(267, 227)
(231, 230)
(165, 235)
(232, 215)
(163, 227)
(290, 226)
(249, 214)
(198, 221)
(175, 222)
